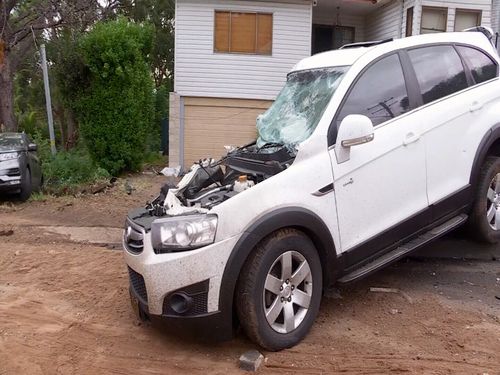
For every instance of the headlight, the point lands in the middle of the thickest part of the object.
(183, 233)
(9, 156)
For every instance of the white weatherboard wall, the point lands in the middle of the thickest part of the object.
(385, 22)
(201, 72)
(495, 17)
(484, 6)
(416, 13)
(495, 9)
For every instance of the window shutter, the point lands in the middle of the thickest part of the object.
(243, 32)
(222, 22)
(264, 33)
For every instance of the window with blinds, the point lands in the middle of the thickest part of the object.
(238, 32)
(433, 20)
(465, 19)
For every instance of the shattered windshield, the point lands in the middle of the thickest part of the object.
(296, 112)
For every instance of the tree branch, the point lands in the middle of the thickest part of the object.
(23, 34)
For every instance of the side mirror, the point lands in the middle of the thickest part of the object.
(354, 130)
(32, 147)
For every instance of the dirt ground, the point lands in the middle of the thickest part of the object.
(64, 308)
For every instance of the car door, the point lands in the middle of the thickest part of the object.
(451, 118)
(445, 116)
(382, 185)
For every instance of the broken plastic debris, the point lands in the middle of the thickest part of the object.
(171, 172)
(229, 148)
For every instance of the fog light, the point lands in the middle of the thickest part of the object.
(180, 303)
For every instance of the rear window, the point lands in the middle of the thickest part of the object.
(439, 70)
(482, 67)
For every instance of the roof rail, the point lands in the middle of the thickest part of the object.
(366, 44)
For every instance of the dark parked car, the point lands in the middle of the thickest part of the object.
(20, 170)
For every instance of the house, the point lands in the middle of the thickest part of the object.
(232, 56)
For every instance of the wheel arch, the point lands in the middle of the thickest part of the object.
(489, 146)
(291, 217)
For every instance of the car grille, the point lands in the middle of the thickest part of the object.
(13, 172)
(138, 285)
(134, 237)
(200, 304)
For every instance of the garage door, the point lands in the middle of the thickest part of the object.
(212, 123)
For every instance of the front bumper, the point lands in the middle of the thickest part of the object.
(210, 327)
(155, 278)
(10, 175)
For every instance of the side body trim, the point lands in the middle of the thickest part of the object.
(324, 190)
(435, 215)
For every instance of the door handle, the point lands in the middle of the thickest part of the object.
(476, 106)
(411, 137)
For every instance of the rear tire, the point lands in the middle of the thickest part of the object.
(26, 187)
(279, 290)
(484, 221)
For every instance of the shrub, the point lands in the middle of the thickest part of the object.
(116, 109)
(43, 144)
(67, 170)
(71, 169)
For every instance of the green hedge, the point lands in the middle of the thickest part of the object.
(117, 109)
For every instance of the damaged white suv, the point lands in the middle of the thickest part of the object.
(368, 153)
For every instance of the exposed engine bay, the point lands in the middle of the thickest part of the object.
(210, 182)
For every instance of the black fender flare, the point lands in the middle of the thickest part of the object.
(290, 217)
(488, 140)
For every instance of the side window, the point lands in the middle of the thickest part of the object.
(439, 71)
(380, 93)
(482, 67)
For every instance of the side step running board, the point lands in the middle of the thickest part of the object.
(404, 249)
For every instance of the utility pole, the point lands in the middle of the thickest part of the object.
(48, 100)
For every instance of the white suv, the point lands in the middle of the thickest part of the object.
(367, 154)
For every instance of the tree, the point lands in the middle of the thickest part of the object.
(161, 14)
(115, 104)
(22, 21)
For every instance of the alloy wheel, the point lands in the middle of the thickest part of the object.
(287, 292)
(493, 203)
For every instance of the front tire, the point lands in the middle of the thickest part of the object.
(484, 222)
(279, 290)
(26, 186)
